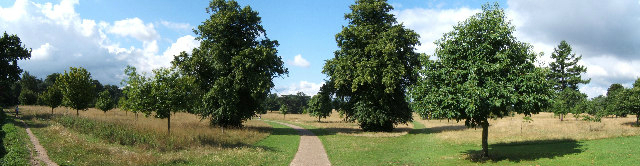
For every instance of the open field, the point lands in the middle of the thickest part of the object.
(450, 143)
(192, 142)
(424, 142)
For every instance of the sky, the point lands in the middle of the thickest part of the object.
(104, 36)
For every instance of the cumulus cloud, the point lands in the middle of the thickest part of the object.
(431, 24)
(134, 27)
(308, 88)
(60, 39)
(604, 33)
(299, 61)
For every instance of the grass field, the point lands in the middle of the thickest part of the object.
(192, 142)
(442, 142)
(544, 141)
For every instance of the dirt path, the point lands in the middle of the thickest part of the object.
(310, 151)
(42, 153)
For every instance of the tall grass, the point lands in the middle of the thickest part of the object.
(116, 126)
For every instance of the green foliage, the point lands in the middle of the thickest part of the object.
(616, 97)
(136, 92)
(11, 50)
(28, 97)
(284, 110)
(375, 64)
(482, 71)
(565, 71)
(171, 93)
(271, 103)
(104, 101)
(628, 101)
(320, 104)
(566, 102)
(14, 143)
(77, 89)
(234, 65)
(52, 97)
(296, 104)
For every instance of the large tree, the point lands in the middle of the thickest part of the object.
(482, 71)
(615, 100)
(77, 89)
(565, 74)
(136, 92)
(632, 103)
(565, 71)
(11, 50)
(234, 65)
(376, 62)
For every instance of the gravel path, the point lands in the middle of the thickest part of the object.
(310, 151)
(42, 153)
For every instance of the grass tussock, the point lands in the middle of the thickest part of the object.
(334, 124)
(543, 127)
(116, 126)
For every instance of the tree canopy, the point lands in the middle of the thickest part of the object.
(320, 104)
(482, 71)
(565, 71)
(234, 65)
(375, 64)
(77, 89)
(104, 102)
(11, 50)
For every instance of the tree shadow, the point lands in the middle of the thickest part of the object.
(632, 124)
(526, 150)
(439, 129)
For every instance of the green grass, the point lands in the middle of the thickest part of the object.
(15, 142)
(76, 146)
(421, 147)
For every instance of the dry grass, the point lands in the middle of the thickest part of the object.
(187, 130)
(336, 125)
(543, 127)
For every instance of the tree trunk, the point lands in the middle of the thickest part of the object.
(485, 135)
(51, 110)
(318, 118)
(169, 124)
(638, 119)
(561, 117)
(77, 113)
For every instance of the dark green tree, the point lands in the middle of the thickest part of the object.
(32, 83)
(566, 102)
(482, 71)
(234, 65)
(52, 97)
(104, 102)
(11, 50)
(632, 103)
(374, 66)
(320, 104)
(77, 89)
(565, 71)
(28, 97)
(295, 103)
(271, 103)
(614, 100)
(50, 80)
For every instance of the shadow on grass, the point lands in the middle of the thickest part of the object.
(632, 124)
(526, 151)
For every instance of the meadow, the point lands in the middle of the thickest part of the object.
(119, 138)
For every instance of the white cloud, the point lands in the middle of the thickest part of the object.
(135, 28)
(176, 26)
(308, 88)
(60, 39)
(185, 43)
(431, 24)
(42, 53)
(299, 61)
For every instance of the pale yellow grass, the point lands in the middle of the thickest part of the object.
(543, 127)
(187, 129)
(336, 125)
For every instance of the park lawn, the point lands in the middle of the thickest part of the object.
(423, 146)
(16, 147)
(69, 146)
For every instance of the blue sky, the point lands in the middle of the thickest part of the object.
(106, 35)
